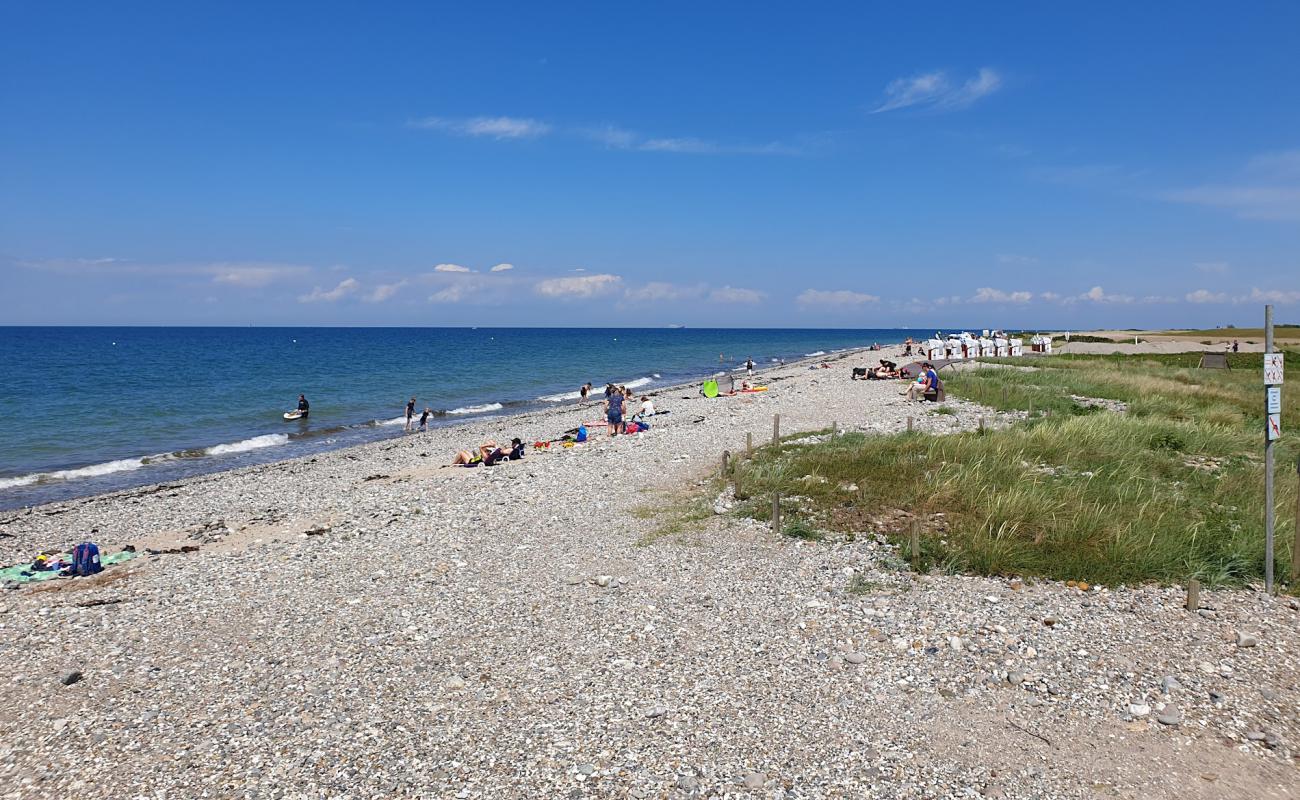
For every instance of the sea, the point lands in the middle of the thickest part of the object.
(86, 410)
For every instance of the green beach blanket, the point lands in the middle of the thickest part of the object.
(23, 573)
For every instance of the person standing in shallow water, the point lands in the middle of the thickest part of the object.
(410, 414)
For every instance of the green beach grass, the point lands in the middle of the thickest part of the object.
(1169, 489)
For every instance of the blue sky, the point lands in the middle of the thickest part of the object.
(801, 165)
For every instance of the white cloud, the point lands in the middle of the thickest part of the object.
(841, 298)
(1212, 267)
(383, 292)
(1276, 296)
(685, 144)
(658, 291)
(1098, 295)
(730, 294)
(493, 127)
(451, 268)
(621, 139)
(346, 287)
(251, 276)
(1205, 296)
(935, 90)
(578, 286)
(502, 268)
(985, 294)
(452, 294)
(1050, 297)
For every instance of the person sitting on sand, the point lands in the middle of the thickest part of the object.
(516, 449)
(647, 406)
(488, 454)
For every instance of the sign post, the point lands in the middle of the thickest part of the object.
(1272, 430)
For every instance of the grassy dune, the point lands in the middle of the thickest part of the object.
(1169, 489)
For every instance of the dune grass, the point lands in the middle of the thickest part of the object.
(1171, 489)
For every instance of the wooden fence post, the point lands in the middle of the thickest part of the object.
(776, 429)
(981, 424)
(909, 424)
(776, 513)
(835, 426)
(749, 445)
(916, 543)
(726, 457)
(1193, 594)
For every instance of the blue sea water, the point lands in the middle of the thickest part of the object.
(89, 410)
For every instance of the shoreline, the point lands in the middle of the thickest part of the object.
(477, 427)
(259, 448)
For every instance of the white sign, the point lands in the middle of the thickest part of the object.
(1274, 427)
(1274, 395)
(1272, 368)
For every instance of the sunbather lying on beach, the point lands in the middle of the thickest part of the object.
(488, 454)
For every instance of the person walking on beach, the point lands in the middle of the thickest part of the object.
(424, 420)
(584, 390)
(614, 412)
(749, 366)
(410, 413)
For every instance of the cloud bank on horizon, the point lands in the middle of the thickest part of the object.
(858, 167)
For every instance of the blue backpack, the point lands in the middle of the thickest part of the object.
(85, 560)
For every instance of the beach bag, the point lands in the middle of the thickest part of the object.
(85, 560)
(709, 389)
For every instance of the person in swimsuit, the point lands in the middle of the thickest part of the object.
(424, 420)
(410, 414)
(488, 454)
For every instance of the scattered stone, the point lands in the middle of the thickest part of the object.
(1015, 678)
(1139, 709)
(755, 780)
(72, 677)
(603, 580)
(1169, 716)
(1246, 639)
(855, 658)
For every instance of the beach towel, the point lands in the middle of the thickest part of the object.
(23, 573)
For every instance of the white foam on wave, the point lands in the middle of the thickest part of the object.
(91, 471)
(814, 354)
(477, 409)
(639, 382)
(393, 421)
(560, 398)
(255, 443)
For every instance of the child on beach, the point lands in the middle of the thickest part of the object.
(424, 420)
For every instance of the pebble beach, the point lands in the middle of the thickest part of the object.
(367, 623)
